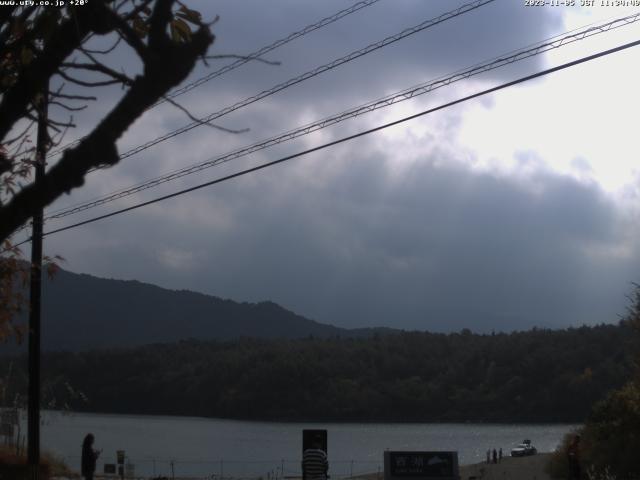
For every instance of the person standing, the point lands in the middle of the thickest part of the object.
(315, 464)
(500, 455)
(495, 456)
(488, 456)
(89, 457)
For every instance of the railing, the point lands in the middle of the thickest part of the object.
(229, 469)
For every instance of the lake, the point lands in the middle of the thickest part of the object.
(203, 447)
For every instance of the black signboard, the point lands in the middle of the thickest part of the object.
(442, 465)
(110, 468)
(309, 437)
(120, 456)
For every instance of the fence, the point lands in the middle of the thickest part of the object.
(231, 469)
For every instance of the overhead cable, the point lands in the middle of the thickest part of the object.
(250, 57)
(350, 137)
(264, 50)
(389, 100)
(310, 74)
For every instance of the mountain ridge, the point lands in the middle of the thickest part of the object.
(83, 312)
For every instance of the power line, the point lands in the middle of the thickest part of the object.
(278, 43)
(403, 95)
(252, 56)
(310, 74)
(350, 137)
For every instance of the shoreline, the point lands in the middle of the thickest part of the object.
(510, 468)
(317, 422)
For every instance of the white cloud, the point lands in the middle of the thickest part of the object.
(177, 259)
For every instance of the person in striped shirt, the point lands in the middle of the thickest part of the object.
(314, 463)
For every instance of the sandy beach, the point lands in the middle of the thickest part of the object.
(510, 468)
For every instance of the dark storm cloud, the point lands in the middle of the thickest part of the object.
(433, 247)
(363, 234)
(246, 26)
(491, 30)
(485, 33)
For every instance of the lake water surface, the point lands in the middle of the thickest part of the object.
(202, 447)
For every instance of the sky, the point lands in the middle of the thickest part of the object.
(515, 210)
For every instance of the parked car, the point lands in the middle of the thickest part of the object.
(524, 449)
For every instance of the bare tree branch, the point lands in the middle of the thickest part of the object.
(56, 142)
(62, 44)
(20, 135)
(129, 35)
(26, 151)
(97, 67)
(83, 83)
(23, 140)
(53, 124)
(72, 97)
(99, 148)
(200, 121)
(243, 57)
(103, 52)
(56, 94)
(67, 107)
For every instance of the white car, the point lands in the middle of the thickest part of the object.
(524, 449)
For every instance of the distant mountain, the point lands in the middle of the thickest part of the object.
(82, 312)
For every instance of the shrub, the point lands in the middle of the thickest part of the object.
(14, 466)
(558, 466)
(611, 435)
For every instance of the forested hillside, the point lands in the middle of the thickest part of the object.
(83, 312)
(538, 376)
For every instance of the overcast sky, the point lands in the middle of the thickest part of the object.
(514, 210)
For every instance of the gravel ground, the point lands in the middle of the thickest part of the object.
(518, 468)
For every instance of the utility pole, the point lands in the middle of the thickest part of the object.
(33, 408)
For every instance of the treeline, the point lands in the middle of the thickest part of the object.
(534, 376)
